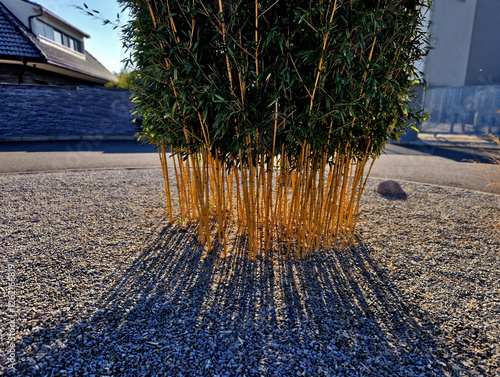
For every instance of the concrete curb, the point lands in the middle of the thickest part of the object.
(449, 140)
(489, 146)
(431, 140)
(434, 185)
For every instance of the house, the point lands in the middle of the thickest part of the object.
(462, 68)
(51, 87)
(38, 47)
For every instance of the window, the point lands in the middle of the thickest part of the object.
(47, 31)
(61, 37)
(78, 45)
(57, 36)
(65, 40)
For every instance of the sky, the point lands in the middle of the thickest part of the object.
(104, 42)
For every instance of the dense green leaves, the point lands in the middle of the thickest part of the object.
(302, 73)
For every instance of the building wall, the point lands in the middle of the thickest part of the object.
(37, 26)
(451, 29)
(21, 9)
(484, 57)
(55, 112)
(463, 68)
(24, 10)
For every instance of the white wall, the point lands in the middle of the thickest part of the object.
(484, 58)
(452, 23)
(21, 9)
(420, 65)
(55, 23)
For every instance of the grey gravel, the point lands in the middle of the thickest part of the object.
(105, 286)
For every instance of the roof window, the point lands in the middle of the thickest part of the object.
(60, 37)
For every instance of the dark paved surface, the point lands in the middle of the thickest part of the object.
(469, 168)
(70, 155)
(456, 154)
(456, 167)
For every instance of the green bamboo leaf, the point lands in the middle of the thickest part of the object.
(219, 99)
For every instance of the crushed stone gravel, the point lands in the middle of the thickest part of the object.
(105, 286)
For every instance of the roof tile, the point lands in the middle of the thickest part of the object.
(16, 42)
(12, 40)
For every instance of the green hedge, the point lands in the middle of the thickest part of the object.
(273, 108)
(342, 76)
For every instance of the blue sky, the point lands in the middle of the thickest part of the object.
(104, 42)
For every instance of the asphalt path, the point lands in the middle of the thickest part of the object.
(26, 157)
(469, 168)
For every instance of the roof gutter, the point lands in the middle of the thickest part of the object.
(35, 16)
(93, 78)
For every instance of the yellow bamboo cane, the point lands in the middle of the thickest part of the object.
(164, 165)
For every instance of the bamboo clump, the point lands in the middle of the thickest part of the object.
(267, 113)
(313, 206)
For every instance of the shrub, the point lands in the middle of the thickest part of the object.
(124, 81)
(274, 108)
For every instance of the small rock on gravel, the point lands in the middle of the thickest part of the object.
(390, 188)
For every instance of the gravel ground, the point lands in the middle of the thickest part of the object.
(104, 286)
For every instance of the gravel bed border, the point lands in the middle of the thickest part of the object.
(98, 283)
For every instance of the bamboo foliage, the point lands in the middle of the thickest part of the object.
(272, 109)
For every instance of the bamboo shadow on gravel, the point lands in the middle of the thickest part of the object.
(176, 308)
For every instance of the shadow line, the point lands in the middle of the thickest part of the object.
(180, 311)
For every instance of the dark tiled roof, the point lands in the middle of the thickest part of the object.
(13, 41)
(85, 64)
(16, 42)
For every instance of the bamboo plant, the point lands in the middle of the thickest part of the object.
(268, 114)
